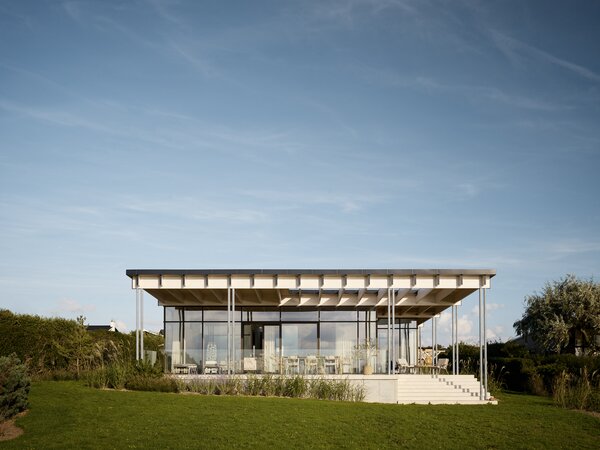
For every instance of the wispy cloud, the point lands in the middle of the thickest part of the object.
(165, 9)
(54, 116)
(70, 306)
(516, 50)
(202, 64)
(347, 11)
(425, 84)
(183, 133)
(346, 202)
(195, 209)
(568, 247)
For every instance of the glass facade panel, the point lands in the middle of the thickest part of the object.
(264, 316)
(271, 345)
(173, 314)
(215, 341)
(271, 355)
(308, 316)
(220, 315)
(338, 340)
(192, 343)
(298, 339)
(338, 315)
(173, 344)
(193, 315)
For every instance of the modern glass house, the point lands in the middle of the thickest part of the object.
(321, 322)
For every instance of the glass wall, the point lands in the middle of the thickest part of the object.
(282, 340)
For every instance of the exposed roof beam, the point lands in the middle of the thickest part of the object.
(165, 297)
(442, 294)
(401, 295)
(423, 293)
(259, 297)
(219, 299)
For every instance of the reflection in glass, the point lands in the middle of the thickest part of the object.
(193, 315)
(299, 339)
(339, 340)
(192, 343)
(173, 344)
(215, 315)
(300, 315)
(264, 316)
(215, 342)
(338, 315)
(271, 348)
(173, 314)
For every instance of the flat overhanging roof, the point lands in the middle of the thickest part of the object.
(417, 293)
(133, 272)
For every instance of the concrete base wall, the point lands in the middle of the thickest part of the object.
(422, 389)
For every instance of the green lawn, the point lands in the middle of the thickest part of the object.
(70, 415)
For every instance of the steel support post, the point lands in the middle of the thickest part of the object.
(419, 344)
(233, 341)
(432, 339)
(480, 350)
(453, 344)
(142, 324)
(394, 343)
(228, 330)
(485, 349)
(435, 359)
(389, 339)
(137, 324)
(457, 345)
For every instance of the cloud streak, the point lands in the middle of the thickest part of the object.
(515, 49)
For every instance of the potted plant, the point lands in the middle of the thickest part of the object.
(366, 350)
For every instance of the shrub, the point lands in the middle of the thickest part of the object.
(280, 386)
(14, 387)
(52, 346)
(145, 383)
(295, 387)
(97, 378)
(117, 375)
(577, 392)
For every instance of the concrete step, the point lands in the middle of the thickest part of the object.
(438, 389)
(448, 402)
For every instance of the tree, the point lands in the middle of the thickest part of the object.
(564, 317)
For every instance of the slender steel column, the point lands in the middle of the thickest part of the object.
(419, 344)
(137, 324)
(394, 343)
(452, 343)
(233, 341)
(142, 324)
(228, 330)
(457, 345)
(389, 312)
(434, 358)
(432, 339)
(485, 349)
(480, 351)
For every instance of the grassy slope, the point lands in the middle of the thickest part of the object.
(67, 415)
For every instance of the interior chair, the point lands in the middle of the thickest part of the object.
(442, 364)
(210, 365)
(402, 366)
(292, 365)
(310, 364)
(331, 365)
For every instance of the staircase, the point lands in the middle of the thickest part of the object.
(440, 389)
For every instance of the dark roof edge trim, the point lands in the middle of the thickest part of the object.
(134, 272)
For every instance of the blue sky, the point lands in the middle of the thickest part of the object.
(326, 134)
